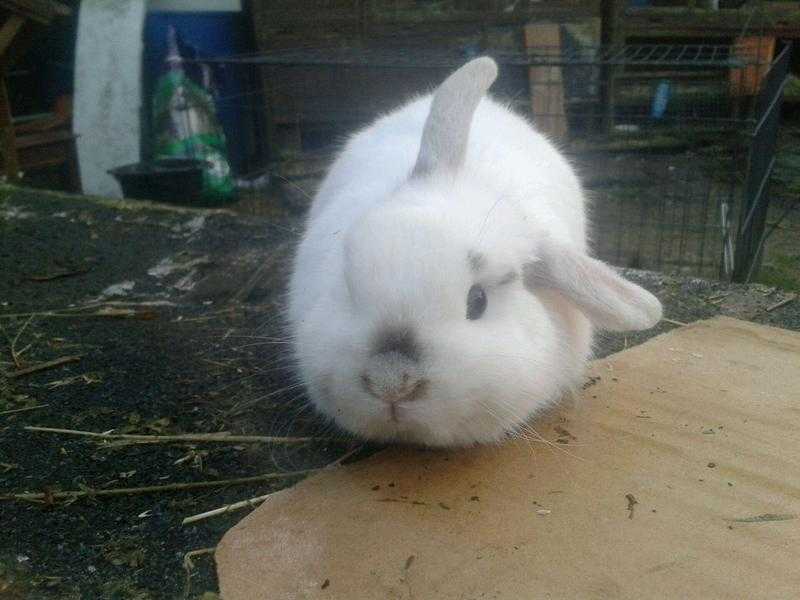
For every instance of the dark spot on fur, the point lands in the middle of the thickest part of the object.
(509, 277)
(477, 261)
(400, 340)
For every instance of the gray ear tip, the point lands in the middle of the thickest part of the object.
(446, 130)
(483, 69)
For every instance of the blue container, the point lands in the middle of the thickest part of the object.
(661, 99)
(210, 34)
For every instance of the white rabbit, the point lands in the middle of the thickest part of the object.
(442, 293)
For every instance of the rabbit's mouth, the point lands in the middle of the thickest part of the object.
(398, 409)
(405, 421)
(399, 401)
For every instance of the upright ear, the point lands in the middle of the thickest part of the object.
(446, 132)
(608, 300)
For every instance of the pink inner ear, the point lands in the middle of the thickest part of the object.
(608, 300)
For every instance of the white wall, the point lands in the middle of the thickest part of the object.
(108, 90)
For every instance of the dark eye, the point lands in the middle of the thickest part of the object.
(476, 302)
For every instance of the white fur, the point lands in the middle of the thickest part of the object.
(385, 248)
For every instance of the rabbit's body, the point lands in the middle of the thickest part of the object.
(383, 295)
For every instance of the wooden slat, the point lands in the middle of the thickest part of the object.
(778, 21)
(44, 138)
(42, 11)
(9, 31)
(7, 138)
(760, 49)
(546, 83)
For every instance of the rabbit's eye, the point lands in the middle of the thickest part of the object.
(476, 302)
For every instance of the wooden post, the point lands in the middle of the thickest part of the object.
(610, 36)
(546, 82)
(8, 32)
(7, 137)
(757, 52)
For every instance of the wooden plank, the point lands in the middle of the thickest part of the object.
(779, 21)
(638, 504)
(41, 11)
(500, 13)
(45, 138)
(345, 21)
(9, 31)
(7, 137)
(758, 49)
(546, 82)
(610, 36)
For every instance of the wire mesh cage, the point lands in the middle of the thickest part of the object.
(674, 143)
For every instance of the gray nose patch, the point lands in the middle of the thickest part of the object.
(397, 340)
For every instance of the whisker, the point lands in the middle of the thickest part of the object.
(526, 426)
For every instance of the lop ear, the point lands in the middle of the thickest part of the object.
(608, 300)
(446, 131)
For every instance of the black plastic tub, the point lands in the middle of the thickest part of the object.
(172, 180)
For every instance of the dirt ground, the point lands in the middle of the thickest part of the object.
(174, 317)
(173, 335)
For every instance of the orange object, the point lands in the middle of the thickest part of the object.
(758, 52)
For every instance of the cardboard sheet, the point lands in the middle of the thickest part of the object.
(677, 475)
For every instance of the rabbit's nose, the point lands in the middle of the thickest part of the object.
(411, 390)
(393, 378)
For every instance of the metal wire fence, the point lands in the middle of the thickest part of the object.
(675, 143)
